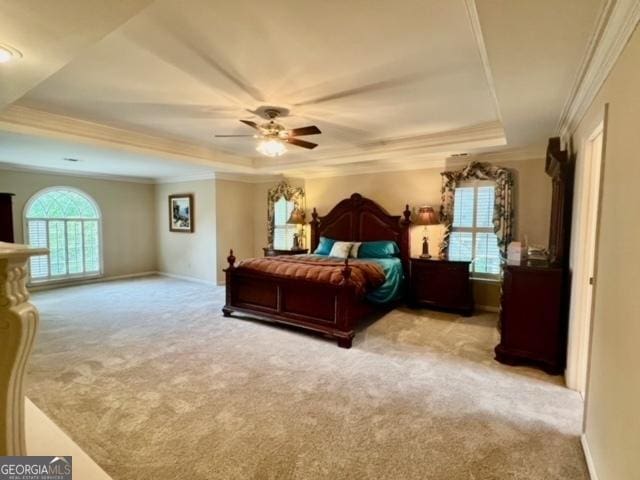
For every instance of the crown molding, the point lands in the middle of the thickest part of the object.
(243, 178)
(14, 167)
(519, 154)
(436, 162)
(26, 120)
(615, 24)
(186, 178)
(485, 135)
(252, 179)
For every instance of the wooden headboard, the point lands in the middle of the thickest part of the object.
(360, 219)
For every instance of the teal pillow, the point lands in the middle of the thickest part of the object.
(378, 249)
(324, 246)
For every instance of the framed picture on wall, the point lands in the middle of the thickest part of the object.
(181, 212)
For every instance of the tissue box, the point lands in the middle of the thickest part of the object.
(515, 252)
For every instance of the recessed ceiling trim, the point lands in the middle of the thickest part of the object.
(530, 152)
(238, 177)
(424, 164)
(490, 134)
(19, 119)
(73, 173)
(616, 23)
(476, 28)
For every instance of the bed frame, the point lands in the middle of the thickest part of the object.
(333, 310)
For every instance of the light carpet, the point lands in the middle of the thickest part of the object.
(153, 382)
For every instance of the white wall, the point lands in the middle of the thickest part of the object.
(190, 255)
(612, 416)
(128, 222)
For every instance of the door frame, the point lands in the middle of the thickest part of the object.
(584, 256)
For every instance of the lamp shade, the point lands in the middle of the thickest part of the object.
(426, 216)
(297, 217)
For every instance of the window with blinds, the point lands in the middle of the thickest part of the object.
(472, 238)
(67, 222)
(283, 233)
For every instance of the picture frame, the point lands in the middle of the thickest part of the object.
(181, 213)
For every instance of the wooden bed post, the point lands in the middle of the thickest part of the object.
(405, 239)
(231, 259)
(315, 238)
(344, 314)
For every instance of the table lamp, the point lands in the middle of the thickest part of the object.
(426, 216)
(297, 218)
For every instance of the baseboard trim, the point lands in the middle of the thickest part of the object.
(187, 278)
(487, 308)
(587, 455)
(87, 281)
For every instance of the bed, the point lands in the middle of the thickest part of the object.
(320, 293)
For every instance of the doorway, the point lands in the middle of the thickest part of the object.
(583, 277)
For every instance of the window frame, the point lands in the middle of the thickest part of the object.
(477, 183)
(286, 227)
(25, 229)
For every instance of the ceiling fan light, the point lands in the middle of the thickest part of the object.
(271, 148)
(8, 53)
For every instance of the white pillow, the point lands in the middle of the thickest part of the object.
(355, 246)
(341, 249)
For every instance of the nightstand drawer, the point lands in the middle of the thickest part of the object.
(441, 284)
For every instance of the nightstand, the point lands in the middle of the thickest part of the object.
(441, 284)
(274, 252)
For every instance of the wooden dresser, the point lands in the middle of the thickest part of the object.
(442, 284)
(532, 321)
(274, 252)
(6, 217)
(535, 299)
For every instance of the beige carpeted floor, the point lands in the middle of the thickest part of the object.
(149, 378)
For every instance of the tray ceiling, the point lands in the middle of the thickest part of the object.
(380, 79)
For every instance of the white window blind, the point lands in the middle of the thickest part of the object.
(283, 233)
(472, 238)
(68, 223)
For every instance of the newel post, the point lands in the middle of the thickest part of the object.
(18, 326)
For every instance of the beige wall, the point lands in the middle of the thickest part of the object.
(234, 221)
(188, 254)
(612, 419)
(393, 190)
(128, 222)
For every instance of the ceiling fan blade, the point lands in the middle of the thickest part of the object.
(299, 132)
(301, 143)
(225, 136)
(250, 123)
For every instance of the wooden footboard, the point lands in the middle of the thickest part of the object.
(333, 310)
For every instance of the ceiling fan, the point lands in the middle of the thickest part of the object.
(274, 135)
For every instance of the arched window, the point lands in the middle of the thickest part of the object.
(67, 222)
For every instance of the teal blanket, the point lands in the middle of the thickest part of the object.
(392, 288)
